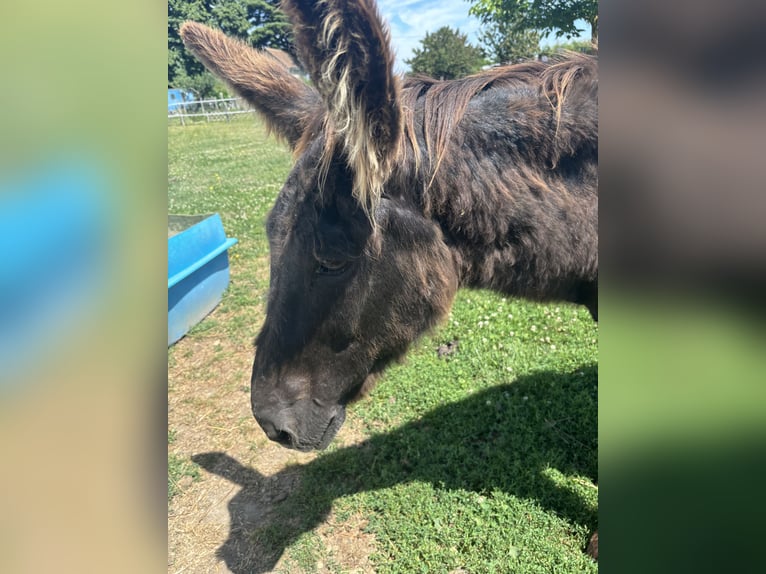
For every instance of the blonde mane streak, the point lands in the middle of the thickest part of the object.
(444, 110)
(409, 134)
(346, 122)
(557, 79)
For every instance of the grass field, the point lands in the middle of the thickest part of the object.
(483, 460)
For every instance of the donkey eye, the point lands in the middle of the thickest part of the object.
(331, 267)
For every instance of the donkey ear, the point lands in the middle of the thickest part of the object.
(286, 103)
(346, 49)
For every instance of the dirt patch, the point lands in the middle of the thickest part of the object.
(244, 477)
(348, 545)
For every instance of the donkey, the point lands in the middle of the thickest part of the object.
(403, 190)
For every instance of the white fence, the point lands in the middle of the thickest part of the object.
(211, 110)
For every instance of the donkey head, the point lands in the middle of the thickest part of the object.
(357, 274)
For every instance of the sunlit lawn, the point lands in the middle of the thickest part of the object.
(484, 459)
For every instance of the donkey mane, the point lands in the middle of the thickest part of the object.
(433, 109)
(545, 86)
(380, 122)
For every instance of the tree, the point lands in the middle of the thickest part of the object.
(584, 46)
(271, 28)
(260, 23)
(446, 54)
(507, 44)
(546, 16)
(181, 62)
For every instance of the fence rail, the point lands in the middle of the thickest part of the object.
(211, 110)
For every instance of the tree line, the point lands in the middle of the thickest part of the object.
(511, 31)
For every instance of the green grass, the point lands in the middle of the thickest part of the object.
(178, 467)
(484, 460)
(235, 170)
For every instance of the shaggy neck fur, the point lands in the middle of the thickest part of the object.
(504, 162)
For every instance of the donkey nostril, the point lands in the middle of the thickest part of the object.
(268, 428)
(283, 438)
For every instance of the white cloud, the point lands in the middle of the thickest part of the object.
(410, 20)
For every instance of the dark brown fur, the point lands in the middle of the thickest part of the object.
(402, 191)
(510, 173)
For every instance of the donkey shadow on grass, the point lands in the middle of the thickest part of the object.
(500, 439)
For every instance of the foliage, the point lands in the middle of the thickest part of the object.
(446, 54)
(181, 62)
(178, 467)
(559, 16)
(270, 27)
(204, 85)
(583, 46)
(507, 44)
(260, 23)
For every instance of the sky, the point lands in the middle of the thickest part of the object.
(409, 20)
